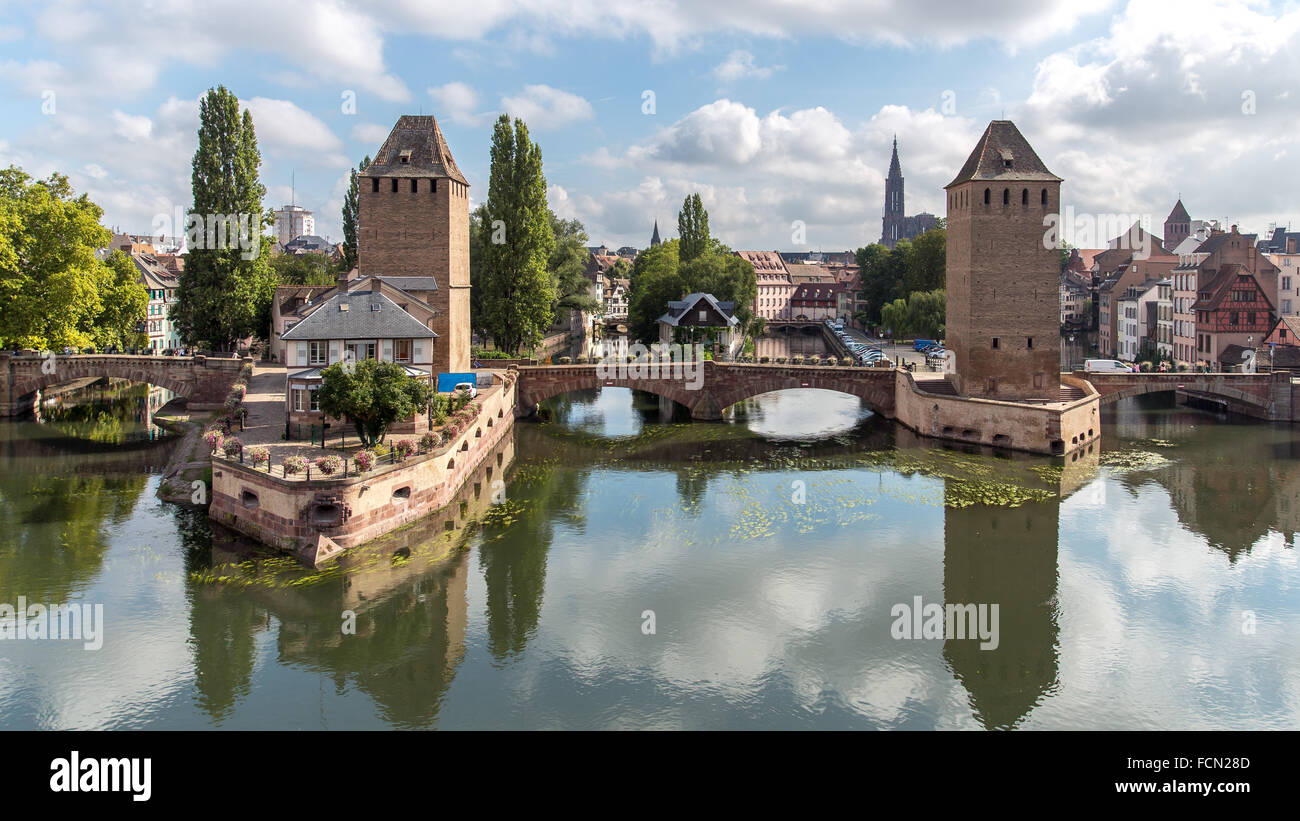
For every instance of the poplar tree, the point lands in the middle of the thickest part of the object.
(516, 241)
(351, 219)
(222, 297)
(693, 228)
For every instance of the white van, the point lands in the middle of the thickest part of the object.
(1106, 366)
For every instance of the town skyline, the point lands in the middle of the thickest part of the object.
(769, 128)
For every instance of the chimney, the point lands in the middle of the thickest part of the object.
(1290, 245)
(343, 281)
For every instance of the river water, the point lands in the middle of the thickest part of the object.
(637, 571)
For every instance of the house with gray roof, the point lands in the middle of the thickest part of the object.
(701, 317)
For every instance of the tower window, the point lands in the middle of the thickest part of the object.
(394, 185)
(415, 186)
(1006, 196)
(1044, 198)
(995, 343)
(435, 186)
(1024, 197)
(1029, 342)
(986, 196)
(374, 185)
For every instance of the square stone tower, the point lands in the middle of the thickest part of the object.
(1004, 308)
(413, 221)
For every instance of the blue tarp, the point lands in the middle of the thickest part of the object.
(447, 382)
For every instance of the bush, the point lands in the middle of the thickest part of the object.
(781, 360)
(764, 359)
(213, 440)
(404, 447)
(813, 360)
(1145, 367)
(232, 446)
(565, 360)
(295, 464)
(259, 456)
(429, 441)
(364, 460)
(329, 465)
(796, 360)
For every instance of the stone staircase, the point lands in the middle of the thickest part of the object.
(1071, 394)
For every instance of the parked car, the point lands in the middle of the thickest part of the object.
(469, 389)
(1106, 366)
(919, 344)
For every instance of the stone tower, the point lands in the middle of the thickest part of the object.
(1004, 308)
(654, 238)
(894, 223)
(413, 221)
(1178, 226)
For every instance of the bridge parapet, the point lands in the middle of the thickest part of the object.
(1263, 395)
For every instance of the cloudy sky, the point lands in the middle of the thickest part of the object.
(774, 110)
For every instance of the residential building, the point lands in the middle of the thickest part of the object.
(816, 301)
(1128, 333)
(698, 317)
(293, 221)
(368, 318)
(161, 283)
(1133, 270)
(1287, 260)
(1005, 339)
(1196, 271)
(894, 225)
(1232, 308)
(1076, 289)
(775, 287)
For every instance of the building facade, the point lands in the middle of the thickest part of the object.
(413, 221)
(772, 302)
(293, 221)
(1003, 313)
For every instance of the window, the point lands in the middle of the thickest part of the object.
(313, 402)
(394, 185)
(1029, 342)
(704, 315)
(361, 350)
(374, 185)
(1044, 198)
(1006, 196)
(995, 343)
(299, 399)
(986, 196)
(1024, 196)
(316, 353)
(415, 187)
(401, 350)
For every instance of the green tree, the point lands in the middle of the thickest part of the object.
(877, 285)
(728, 277)
(693, 228)
(222, 296)
(303, 269)
(351, 219)
(372, 395)
(54, 290)
(125, 305)
(922, 314)
(568, 266)
(516, 240)
(926, 261)
(656, 281)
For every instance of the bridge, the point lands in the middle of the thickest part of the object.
(707, 388)
(204, 381)
(1261, 395)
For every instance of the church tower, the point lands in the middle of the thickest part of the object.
(1178, 227)
(413, 221)
(1004, 311)
(894, 223)
(654, 238)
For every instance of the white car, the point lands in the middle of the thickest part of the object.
(467, 388)
(1106, 366)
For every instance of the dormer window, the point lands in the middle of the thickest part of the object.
(405, 157)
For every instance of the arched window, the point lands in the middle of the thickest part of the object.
(1006, 196)
(1044, 198)
(1024, 197)
(986, 196)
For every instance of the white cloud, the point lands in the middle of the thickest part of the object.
(544, 107)
(739, 65)
(370, 133)
(459, 103)
(284, 127)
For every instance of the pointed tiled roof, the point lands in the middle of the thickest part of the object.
(1179, 214)
(1003, 142)
(419, 140)
(654, 238)
(895, 169)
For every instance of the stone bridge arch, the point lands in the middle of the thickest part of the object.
(202, 380)
(1252, 394)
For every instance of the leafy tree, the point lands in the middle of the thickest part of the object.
(223, 297)
(916, 265)
(693, 228)
(54, 290)
(728, 277)
(877, 285)
(922, 314)
(303, 269)
(125, 305)
(656, 281)
(568, 266)
(515, 242)
(351, 218)
(372, 395)
(926, 261)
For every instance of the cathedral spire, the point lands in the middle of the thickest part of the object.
(654, 238)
